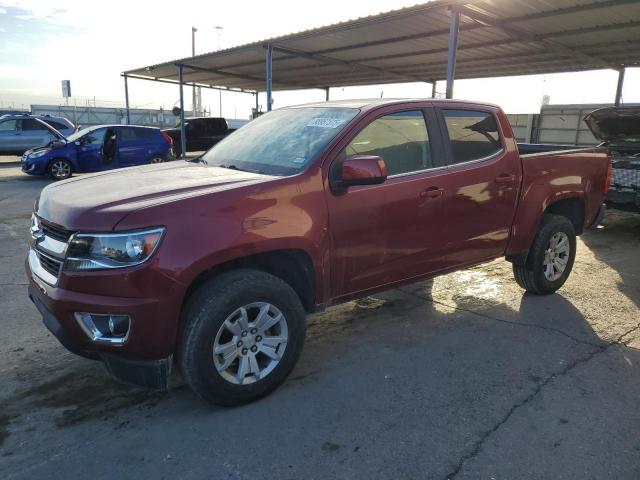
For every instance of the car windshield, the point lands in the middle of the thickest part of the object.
(80, 133)
(282, 142)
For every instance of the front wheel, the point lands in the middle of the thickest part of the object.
(551, 257)
(60, 169)
(243, 333)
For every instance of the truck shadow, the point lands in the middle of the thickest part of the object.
(617, 243)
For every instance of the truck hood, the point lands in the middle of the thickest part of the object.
(615, 124)
(99, 201)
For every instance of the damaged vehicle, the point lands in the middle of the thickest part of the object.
(619, 130)
(212, 266)
(93, 149)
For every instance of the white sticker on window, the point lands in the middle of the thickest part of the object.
(325, 122)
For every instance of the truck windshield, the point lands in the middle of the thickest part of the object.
(282, 142)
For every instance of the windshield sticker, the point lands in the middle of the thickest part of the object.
(325, 122)
(299, 160)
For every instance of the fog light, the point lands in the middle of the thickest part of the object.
(119, 325)
(111, 329)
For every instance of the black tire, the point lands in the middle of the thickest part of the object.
(157, 159)
(203, 316)
(60, 169)
(531, 276)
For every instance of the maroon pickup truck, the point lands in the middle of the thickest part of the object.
(213, 265)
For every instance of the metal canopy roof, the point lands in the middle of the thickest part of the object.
(496, 38)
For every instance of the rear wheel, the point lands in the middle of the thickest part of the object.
(156, 159)
(60, 169)
(551, 257)
(243, 333)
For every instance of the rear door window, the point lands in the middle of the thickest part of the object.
(473, 134)
(29, 124)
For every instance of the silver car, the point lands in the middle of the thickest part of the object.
(19, 133)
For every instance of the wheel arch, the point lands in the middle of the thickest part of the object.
(293, 266)
(571, 207)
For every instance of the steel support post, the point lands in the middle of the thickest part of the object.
(619, 87)
(269, 59)
(126, 99)
(183, 133)
(454, 29)
(326, 94)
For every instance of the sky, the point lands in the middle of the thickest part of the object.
(90, 43)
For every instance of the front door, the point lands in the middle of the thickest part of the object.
(10, 136)
(396, 230)
(90, 151)
(482, 186)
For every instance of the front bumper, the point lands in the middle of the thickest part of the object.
(144, 373)
(151, 299)
(33, 167)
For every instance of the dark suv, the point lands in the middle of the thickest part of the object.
(202, 133)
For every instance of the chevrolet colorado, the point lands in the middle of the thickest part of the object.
(212, 266)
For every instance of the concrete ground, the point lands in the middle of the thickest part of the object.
(461, 377)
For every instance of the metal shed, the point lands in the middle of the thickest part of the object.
(442, 39)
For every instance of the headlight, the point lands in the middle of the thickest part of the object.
(111, 250)
(39, 153)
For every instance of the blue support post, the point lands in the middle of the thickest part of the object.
(269, 58)
(454, 29)
(183, 133)
(126, 99)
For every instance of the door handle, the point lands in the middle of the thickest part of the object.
(432, 192)
(505, 178)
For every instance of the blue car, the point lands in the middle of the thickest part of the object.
(19, 133)
(94, 149)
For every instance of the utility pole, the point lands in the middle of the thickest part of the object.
(193, 54)
(219, 29)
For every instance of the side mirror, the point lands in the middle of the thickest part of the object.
(362, 170)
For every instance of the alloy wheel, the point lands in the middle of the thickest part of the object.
(60, 169)
(250, 343)
(556, 256)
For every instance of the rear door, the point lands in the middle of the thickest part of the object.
(385, 233)
(133, 145)
(482, 183)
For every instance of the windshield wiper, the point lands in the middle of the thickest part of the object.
(234, 167)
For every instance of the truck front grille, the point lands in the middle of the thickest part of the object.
(57, 233)
(49, 264)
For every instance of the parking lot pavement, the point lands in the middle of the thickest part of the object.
(461, 377)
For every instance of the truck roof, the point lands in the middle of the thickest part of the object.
(368, 103)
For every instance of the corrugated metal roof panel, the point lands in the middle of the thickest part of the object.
(497, 38)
